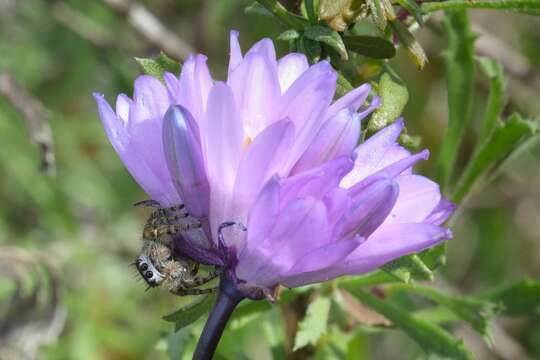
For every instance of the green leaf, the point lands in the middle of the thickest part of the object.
(407, 268)
(494, 70)
(372, 46)
(477, 312)
(431, 338)
(288, 35)
(504, 140)
(414, 49)
(156, 67)
(287, 18)
(531, 7)
(313, 326)
(327, 36)
(394, 97)
(522, 298)
(192, 312)
(459, 64)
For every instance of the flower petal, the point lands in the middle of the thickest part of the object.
(264, 47)
(305, 103)
(263, 158)
(256, 90)
(383, 246)
(324, 256)
(351, 100)
(370, 208)
(225, 138)
(195, 84)
(377, 152)
(262, 216)
(316, 182)
(156, 183)
(185, 161)
(338, 136)
(290, 67)
(441, 213)
(123, 103)
(150, 101)
(235, 51)
(391, 242)
(301, 227)
(418, 197)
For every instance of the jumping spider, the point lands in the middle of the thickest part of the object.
(157, 264)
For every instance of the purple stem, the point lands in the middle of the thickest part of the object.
(225, 304)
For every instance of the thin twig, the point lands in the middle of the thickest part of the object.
(36, 117)
(151, 28)
(83, 26)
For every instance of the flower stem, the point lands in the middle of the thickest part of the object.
(225, 304)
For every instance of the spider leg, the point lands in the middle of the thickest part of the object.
(148, 203)
(182, 292)
(200, 280)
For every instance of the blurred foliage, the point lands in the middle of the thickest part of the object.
(80, 223)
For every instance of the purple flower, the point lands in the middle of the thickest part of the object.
(271, 150)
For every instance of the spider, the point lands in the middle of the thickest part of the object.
(158, 264)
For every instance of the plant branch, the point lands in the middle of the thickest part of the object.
(36, 117)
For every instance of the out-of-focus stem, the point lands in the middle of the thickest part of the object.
(225, 304)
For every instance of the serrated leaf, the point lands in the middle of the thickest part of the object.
(156, 67)
(494, 70)
(405, 37)
(459, 66)
(314, 324)
(288, 35)
(505, 138)
(327, 36)
(430, 337)
(189, 314)
(407, 268)
(522, 298)
(372, 46)
(476, 312)
(394, 97)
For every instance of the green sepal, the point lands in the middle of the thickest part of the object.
(394, 97)
(408, 268)
(156, 67)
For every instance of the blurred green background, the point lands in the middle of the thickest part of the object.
(68, 238)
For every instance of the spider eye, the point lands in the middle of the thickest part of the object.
(148, 274)
(143, 267)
